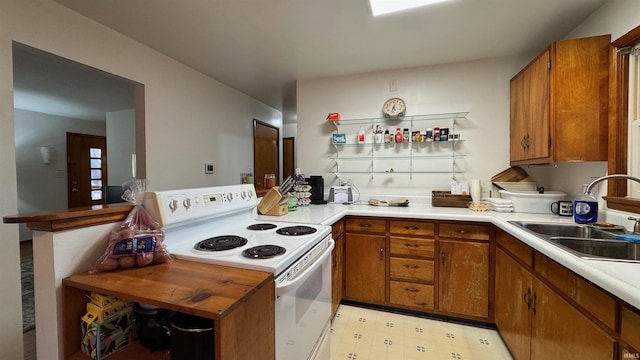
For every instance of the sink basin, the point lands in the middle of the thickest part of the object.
(585, 241)
(566, 230)
(600, 248)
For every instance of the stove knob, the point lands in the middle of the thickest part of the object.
(230, 196)
(187, 203)
(173, 205)
(243, 195)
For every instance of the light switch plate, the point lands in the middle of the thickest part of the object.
(208, 168)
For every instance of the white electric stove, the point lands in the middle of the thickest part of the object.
(216, 225)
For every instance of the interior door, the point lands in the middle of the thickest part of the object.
(288, 157)
(265, 152)
(86, 169)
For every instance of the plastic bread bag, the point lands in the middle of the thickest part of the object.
(136, 242)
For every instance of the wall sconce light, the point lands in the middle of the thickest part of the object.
(47, 152)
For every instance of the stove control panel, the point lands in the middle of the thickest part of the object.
(174, 207)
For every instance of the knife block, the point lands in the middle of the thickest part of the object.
(270, 203)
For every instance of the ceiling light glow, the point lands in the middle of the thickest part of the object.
(381, 7)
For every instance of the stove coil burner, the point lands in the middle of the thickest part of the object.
(264, 251)
(296, 230)
(262, 226)
(221, 243)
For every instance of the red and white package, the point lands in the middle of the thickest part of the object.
(138, 241)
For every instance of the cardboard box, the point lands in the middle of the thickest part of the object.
(101, 339)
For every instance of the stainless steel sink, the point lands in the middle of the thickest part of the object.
(585, 241)
(565, 230)
(600, 248)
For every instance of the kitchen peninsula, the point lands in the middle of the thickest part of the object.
(616, 319)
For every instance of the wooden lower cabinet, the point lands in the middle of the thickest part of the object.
(337, 267)
(411, 294)
(537, 323)
(365, 268)
(463, 278)
(560, 331)
(512, 305)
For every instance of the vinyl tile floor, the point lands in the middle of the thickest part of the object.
(365, 334)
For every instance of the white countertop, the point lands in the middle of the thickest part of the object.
(618, 278)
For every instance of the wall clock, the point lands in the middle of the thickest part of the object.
(394, 107)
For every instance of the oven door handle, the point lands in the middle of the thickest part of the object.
(287, 286)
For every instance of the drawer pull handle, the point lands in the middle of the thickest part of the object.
(411, 228)
(442, 257)
(462, 231)
(411, 245)
(411, 290)
(412, 266)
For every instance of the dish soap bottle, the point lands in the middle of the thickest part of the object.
(361, 135)
(585, 207)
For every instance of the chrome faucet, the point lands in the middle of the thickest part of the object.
(587, 191)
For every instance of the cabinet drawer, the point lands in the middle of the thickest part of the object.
(516, 247)
(411, 294)
(465, 231)
(337, 229)
(411, 269)
(412, 228)
(363, 225)
(412, 247)
(597, 302)
(630, 326)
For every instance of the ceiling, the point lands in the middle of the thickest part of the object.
(261, 48)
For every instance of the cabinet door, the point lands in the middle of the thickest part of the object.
(337, 273)
(512, 314)
(538, 126)
(517, 123)
(562, 332)
(365, 273)
(463, 275)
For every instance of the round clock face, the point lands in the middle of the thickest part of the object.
(394, 107)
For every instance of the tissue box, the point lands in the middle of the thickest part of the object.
(101, 339)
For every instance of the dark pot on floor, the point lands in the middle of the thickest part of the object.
(191, 337)
(152, 326)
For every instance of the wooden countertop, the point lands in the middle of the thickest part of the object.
(72, 218)
(205, 290)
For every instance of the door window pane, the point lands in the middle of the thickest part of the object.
(96, 174)
(96, 184)
(96, 195)
(95, 152)
(96, 163)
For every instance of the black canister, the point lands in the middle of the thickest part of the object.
(191, 337)
(152, 327)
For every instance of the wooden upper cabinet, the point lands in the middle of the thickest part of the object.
(559, 104)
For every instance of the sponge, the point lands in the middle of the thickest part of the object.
(629, 237)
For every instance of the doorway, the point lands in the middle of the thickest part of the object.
(288, 157)
(265, 153)
(86, 169)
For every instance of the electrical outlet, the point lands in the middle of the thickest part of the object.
(208, 168)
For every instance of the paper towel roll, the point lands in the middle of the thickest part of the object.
(476, 190)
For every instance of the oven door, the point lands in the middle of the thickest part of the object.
(303, 309)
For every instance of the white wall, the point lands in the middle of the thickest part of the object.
(190, 119)
(121, 144)
(43, 187)
(479, 87)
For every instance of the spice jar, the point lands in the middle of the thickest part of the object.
(405, 135)
(269, 181)
(436, 134)
(429, 135)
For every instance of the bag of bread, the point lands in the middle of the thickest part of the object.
(136, 242)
